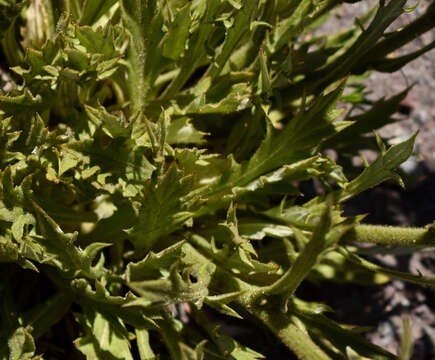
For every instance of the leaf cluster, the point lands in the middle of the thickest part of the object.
(151, 159)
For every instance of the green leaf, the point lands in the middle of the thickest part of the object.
(305, 217)
(258, 229)
(174, 41)
(380, 170)
(231, 224)
(219, 303)
(93, 10)
(304, 131)
(9, 194)
(181, 131)
(335, 267)
(290, 26)
(178, 287)
(204, 15)
(265, 85)
(67, 160)
(154, 265)
(99, 41)
(230, 347)
(416, 279)
(130, 133)
(101, 297)
(13, 105)
(237, 259)
(111, 124)
(92, 250)
(188, 353)
(226, 346)
(122, 159)
(280, 181)
(19, 224)
(143, 344)
(107, 337)
(399, 38)
(55, 244)
(240, 25)
(237, 98)
(392, 64)
(7, 139)
(9, 11)
(341, 66)
(21, 345)
(380, 114)
(37, 135)
(343, 340)
(9, 252)
(236, 4)
(162, 210)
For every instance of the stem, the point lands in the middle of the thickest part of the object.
(279, 323)
(170, 337)
(390, 235)
(295, 339)
(289, 282)
(137, 17)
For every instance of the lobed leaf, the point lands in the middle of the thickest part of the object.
(380, 170)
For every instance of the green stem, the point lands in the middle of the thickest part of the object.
(291, 336)
(170, 337)
(137, 17)
(390, 235)
(289, 282)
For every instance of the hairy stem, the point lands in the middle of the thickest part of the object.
(390, 235)
(291, 336)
